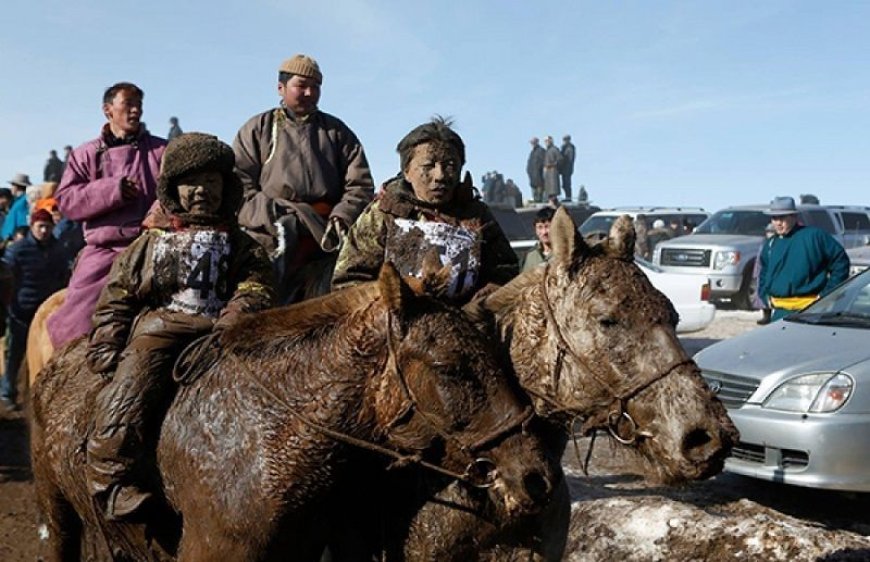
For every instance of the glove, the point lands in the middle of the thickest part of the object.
(102, 358)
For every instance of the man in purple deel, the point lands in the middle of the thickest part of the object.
(109, 184)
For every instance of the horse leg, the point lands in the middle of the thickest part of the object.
(60, 528)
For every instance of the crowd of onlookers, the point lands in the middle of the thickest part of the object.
(37, 251)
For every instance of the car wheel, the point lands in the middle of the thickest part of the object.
(743, 298)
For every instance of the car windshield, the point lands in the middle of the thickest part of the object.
(732, 221)
(598, 223)
(847, 305)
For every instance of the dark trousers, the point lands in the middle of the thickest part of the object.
(16, 346)
(566, 186)
(130, 408)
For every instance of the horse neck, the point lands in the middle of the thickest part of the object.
(323, 376)
(524, 332)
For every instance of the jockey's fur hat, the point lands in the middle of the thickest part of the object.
(198, 152)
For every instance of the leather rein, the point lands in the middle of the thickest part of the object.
(617, 412)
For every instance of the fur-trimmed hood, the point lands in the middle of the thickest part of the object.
(195, 152)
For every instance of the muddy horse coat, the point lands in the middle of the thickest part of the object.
(251, 452)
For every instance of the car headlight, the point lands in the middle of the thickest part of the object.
(722, 259)
(823, 392)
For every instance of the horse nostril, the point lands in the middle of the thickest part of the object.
(697, 444)
(537, 487)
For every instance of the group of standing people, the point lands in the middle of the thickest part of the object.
(550, 168)
(181, 237)
(38, 249)
(495, 189)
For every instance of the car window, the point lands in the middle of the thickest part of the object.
(597, 223)
(820, 219)
(853, 221)
(850, 299)
(512, 225)
(735, 221)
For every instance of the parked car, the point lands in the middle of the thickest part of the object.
(859, 259)
(799, 392)
(688, 293)
(724, 247)
(600, 222)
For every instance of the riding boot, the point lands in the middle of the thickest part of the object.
(117, 439)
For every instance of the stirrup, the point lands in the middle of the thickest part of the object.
(124, 500)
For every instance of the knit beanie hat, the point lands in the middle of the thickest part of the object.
(41, 215)
(303, 65)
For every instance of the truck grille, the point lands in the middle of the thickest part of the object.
(685, 257)
(732, 390)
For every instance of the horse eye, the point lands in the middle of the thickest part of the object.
(608, 322)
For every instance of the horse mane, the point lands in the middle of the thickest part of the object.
(303, 317)
(506, 298)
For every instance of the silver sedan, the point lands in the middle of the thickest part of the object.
(799, 392)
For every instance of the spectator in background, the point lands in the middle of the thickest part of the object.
(33, 269)
(109, 185)
(583, 196)
(67, 150)
(552, 163)
(677, 227)
(535, 170)
(67, 232)
(566, 170)
(540, 254)
(53, 168)
(641, 239)
(174, 129)
(513, 195)
(5, 203)
(799, 263)
(656, 234)
(18, 211)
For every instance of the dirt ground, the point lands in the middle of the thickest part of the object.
(616, 516)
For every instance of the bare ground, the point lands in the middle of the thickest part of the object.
(616, 516)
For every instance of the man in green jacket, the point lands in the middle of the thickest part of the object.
(799, 264)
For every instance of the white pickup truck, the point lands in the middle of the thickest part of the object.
(725, 246)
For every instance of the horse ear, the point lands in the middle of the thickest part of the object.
(394, 290)
(622, 237)
(568, 244)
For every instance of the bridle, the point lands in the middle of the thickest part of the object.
(477, 472)
(613, 415)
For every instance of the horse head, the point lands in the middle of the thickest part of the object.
(445, 397)
(591, 338)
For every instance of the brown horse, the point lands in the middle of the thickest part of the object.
(590, 339)
(251, 453)
(39, 348)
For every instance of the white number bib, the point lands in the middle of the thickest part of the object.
(202, 259)
(457, 246)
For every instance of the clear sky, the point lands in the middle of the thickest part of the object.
(669, 103)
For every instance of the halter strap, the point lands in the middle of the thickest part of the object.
(596, 418)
